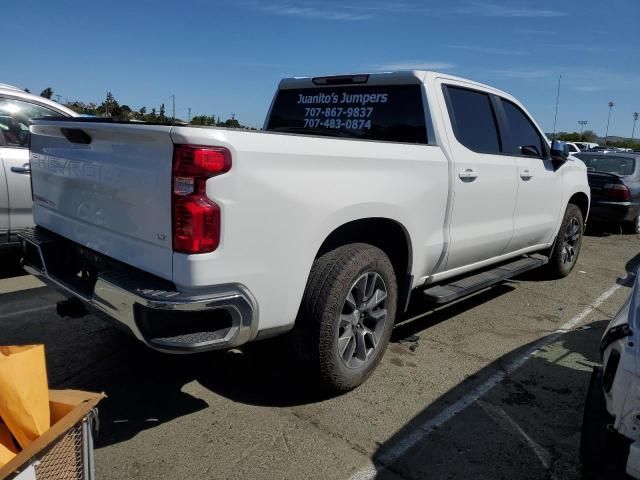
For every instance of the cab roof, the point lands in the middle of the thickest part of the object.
(402, 77)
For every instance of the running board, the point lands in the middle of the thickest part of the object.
(464, 286)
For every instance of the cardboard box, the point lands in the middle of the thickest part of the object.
(61, 452)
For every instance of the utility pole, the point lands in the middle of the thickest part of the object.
(557, 102)
(58, 96)
(173, 117)
(582, 123)
(635, 119)
(189, 115)
(606, 135)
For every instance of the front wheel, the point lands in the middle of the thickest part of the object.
(346, 316)
(566, 249)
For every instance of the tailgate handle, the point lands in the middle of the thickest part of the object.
(76, 135)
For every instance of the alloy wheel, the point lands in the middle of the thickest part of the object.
(362, 320)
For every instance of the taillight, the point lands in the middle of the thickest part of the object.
(196, 219)
(617, 192)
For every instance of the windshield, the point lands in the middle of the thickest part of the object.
(392, 113)
(609, 164)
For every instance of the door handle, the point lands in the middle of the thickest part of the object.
(526, 174)
(468, 174)
(24, 169)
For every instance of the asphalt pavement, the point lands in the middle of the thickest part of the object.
(491, 386)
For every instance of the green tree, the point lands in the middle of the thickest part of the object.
(231, 123)
(47, 93)
(125, 112)
(110, 107)
(83, 108)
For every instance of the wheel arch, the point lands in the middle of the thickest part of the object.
(388, 235)
(581, 200)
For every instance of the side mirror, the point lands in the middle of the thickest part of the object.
(559, 151)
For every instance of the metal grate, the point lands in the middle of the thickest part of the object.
(65, 459)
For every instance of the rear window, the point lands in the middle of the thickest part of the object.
(391, 113)
(609, 164)
(473, 119)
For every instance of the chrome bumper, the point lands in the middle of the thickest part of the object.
(151, 308)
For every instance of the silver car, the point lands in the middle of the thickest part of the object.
(17, 109)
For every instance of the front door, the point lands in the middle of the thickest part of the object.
(539, 204)
(484, 183)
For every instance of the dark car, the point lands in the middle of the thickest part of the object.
(614, 178)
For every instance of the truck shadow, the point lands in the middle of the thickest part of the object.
(10, 263)
(145, 388)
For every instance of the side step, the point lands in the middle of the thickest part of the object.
(463, 286)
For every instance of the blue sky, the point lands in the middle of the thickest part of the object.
(223, 57)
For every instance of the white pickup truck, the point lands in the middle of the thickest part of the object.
(360, 190)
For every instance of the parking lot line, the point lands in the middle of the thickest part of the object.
(425, 429)
(26, 310)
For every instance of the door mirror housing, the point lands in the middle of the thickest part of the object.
(559, 151)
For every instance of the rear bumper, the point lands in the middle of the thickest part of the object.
(151, 308)
(613, 211)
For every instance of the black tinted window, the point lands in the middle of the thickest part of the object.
(522, 133)
(391, 113)
(474, 121)
(14, 120)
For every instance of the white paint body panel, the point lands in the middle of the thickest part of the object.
(284, 195)
(18, 187)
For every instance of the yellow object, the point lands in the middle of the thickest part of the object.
(24, 394)
(8, 449)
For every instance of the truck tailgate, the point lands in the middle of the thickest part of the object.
(106, 186)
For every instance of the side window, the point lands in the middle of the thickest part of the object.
(14, 120)
(524, 137)
(473, 119)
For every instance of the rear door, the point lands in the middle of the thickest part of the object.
(15, 116)
(539, 202)
(484, 182)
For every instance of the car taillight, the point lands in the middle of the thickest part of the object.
(617, 192)
(196, 219)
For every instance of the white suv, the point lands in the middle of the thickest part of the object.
(17, 109)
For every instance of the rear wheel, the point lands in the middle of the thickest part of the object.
(346, 316)
(566, 250)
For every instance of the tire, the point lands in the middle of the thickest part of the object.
(603, 453)
(344, 322)
(566, 249)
